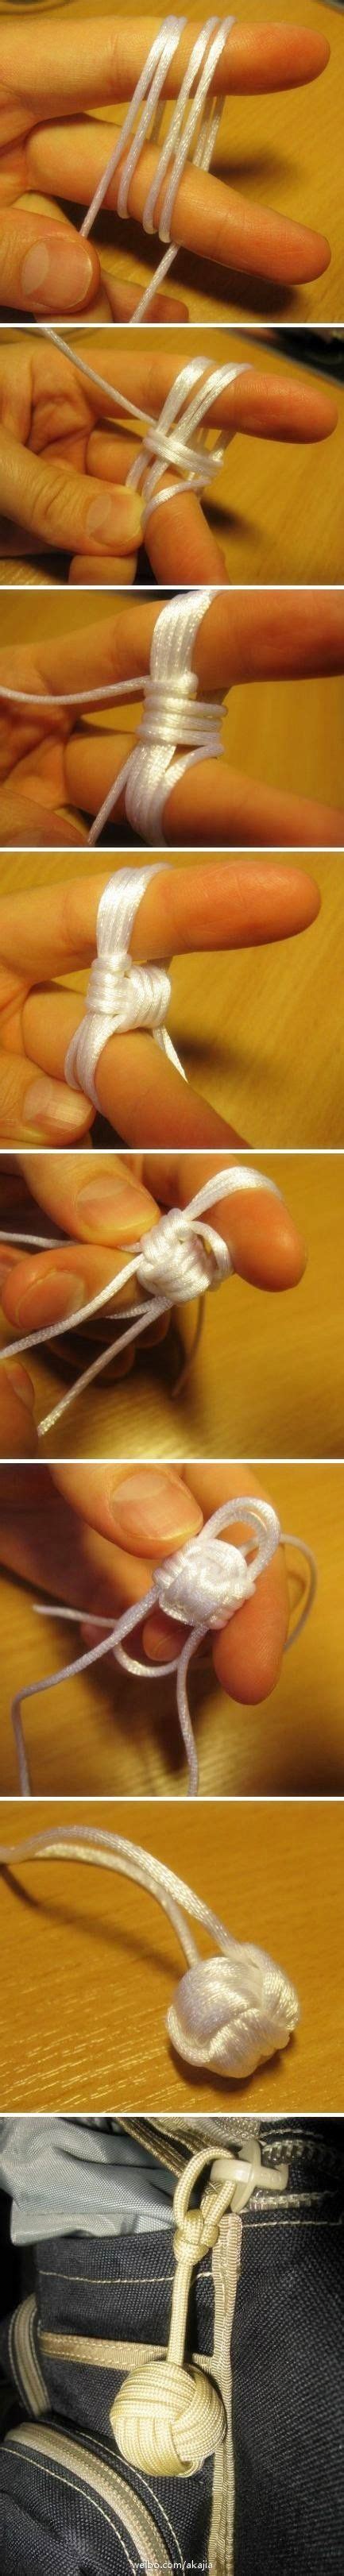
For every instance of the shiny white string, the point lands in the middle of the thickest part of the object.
(202, 1585)
(179, 1258)
(120, 994)
(167, 440)
(177, 727)
(230, 2012)
(191, 135)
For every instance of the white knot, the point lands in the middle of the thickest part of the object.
(177, 727)
(120, 995)
(232, 2012)
(131, 996)
(181, 1259)
(167, 2419)
(204, 1582)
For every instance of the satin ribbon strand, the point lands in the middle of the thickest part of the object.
(201, 1585)
(231, 2011)
(179, 1258)
(173, 715)
(121, 995)
(166, 441)
(191, 136)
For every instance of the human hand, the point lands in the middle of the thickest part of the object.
(63, 465)
(51, 933)
(246, 635)
(105, 1206)
(92, 1536)
(51, 141)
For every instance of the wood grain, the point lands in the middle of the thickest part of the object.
(106, 1733)
(285, 152)
(89, 1964)
(277, 511)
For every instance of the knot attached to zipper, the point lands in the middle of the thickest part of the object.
(169, 2415)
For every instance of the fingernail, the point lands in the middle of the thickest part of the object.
(49, 1105)
(47, 1300)
(154, 1505)
(115, 519)
(117, 1210)
(57, 275)
(20, 1381)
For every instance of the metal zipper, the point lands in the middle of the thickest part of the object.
(58, 2453)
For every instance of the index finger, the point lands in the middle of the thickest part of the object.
(60, 76)
(227, 903)
(251, 635)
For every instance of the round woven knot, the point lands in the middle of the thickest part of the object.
(204, 1582)
(167, 2419)
(130, 996)
(179, 1260)
(232, 2013)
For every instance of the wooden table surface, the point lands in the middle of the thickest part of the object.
(284, 151)
(277, 510)
(287, 732)
(90, 1964)
(261, 1036)
(107, 1732)
(267, 1380)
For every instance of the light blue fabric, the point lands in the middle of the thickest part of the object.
(82, 2175)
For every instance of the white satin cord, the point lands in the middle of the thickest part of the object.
(231, 2011)
(171, 442)
(120, 994)
(178, 1259)
(201, 1585)
(177, 728)
(191, 135)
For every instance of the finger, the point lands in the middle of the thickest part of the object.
(37, 1110)
(46, 1543)
(113, 54)
(208, 217)
(265, 1244)
(247, 1654)
(45, 267)
(45, 1287)
(261, 406)
(220, 905)
(86, 570)
(101, 1201)
(123, 301)
(17, 1428)
(24, 823)
(211, 803)
(140, 1092)
(254, 635)
(148, 1510)
(64, 508)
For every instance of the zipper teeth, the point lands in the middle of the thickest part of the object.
(60, 2451)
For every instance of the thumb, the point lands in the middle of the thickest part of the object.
(65, 508)
(45, 267)
(18, 1437)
